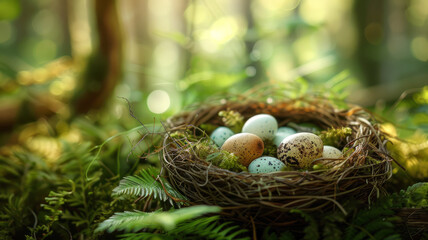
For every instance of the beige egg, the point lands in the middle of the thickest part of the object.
(331, 152)
(300, 149)
(246, 146)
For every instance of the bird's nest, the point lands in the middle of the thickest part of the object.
(267, 198)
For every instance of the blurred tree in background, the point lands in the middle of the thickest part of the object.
(183, 51)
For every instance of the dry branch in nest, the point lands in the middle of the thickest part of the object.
(267, 198)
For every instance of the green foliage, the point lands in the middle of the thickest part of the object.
(57, 201)
(148, 183)
(200, 228)
(377, 222)
(417, 195)
(166, 220)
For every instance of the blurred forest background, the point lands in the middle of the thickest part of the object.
(67, 68)
(62, 60)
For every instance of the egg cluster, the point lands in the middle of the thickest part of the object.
(293, 149)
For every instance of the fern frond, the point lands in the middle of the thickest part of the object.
(374, 223)
(145, 184)
(137, 220)
(201, 228)
(311, 231)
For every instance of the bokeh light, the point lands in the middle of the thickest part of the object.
(158, 101)
(419, 48)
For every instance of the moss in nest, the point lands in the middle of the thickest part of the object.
(220, 158)
(183, 137)
(347, 151)
(226, 160)
(320, 166)
(204, 148)
(232, 119)
(335, 136)
(208, 127)
(270, 149)
(289, 168)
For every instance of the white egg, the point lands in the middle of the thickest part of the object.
(265, 165)
(263, 125)
(331, 152)
(220, 135)
(300, 149)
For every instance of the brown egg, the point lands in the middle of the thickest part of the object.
(246, 146)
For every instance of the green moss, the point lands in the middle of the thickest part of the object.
(208, 127)
(220, 158)
(270, 149)
(289, 168)
(183, 137)
(232, 119)
(335, 136)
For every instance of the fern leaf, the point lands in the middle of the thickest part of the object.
(371, 228)
(145, 185)
(386, 233)
(201, 228)
(311, 231)
(145, 235)
(137, 220)
(331, 231)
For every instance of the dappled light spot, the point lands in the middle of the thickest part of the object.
(314, 12)
(158, 101)
(419, 48)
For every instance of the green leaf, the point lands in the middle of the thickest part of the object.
(146, 185)
(200, 228)
(137, 220)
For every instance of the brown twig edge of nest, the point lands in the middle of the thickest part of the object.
(267, 198)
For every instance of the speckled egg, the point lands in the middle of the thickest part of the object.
(220, 135)
(263, 125)
(331, 152)
(265, 165)
(300, 149)
(246, 146)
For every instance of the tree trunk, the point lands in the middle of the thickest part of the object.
(104, 68)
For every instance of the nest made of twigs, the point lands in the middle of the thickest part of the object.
(267, 198)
